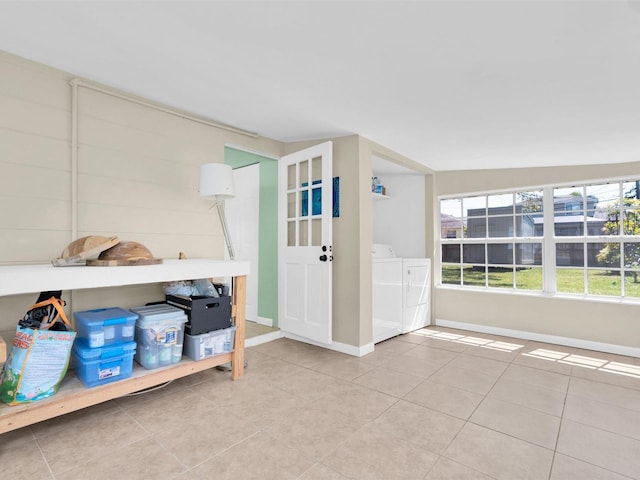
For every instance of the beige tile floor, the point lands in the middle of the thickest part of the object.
(435, 404)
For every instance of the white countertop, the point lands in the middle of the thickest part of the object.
(17, 279)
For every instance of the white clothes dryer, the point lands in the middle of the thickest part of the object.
(401, 293)
(386, 273)
(416, 293)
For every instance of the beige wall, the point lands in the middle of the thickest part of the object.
(599, 321)
(137, 178)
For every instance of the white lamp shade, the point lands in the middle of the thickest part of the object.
(216, 181)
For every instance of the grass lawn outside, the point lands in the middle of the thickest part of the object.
(570, 280)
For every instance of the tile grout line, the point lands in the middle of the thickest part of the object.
(44, 457)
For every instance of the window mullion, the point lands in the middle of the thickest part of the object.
(548, 242)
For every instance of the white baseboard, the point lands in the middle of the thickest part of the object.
(265, 321)
(542, 337)
(336, 346)
(260, 339)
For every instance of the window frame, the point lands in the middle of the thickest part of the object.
(549, 240)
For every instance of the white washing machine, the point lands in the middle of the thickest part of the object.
(401, 293)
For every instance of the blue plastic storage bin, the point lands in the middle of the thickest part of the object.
(97, 366)
(105, 326)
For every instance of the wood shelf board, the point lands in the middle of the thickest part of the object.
(73, 395)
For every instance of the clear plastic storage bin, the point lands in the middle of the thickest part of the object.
(159, 335)
(205, 345)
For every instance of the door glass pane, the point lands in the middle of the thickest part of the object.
(316, 232)
(316, 164)
(291, 205)
(304, 233)
(291, 177)
(304, 203)
(304, 173)
(291, 234)
(316, 201)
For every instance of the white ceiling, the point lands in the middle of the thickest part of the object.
(450, 84)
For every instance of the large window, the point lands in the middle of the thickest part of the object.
(581, 239)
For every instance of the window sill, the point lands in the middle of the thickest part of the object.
(546, 295)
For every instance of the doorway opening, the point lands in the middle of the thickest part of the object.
(251, 218)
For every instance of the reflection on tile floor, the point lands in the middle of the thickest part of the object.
(435, 404)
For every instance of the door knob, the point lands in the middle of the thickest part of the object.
(323, 258)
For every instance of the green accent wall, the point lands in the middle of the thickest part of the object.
(268, 229)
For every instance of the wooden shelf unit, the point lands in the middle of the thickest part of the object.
(72, 395)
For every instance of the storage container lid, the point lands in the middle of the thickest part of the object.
(99, 316)
(161, 313)
(81, 348)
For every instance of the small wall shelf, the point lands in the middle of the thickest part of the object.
(379, 196)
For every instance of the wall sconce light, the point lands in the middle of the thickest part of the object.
(216, 184)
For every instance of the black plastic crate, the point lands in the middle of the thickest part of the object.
(204, 314)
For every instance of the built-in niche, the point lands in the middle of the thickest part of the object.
(399, 211)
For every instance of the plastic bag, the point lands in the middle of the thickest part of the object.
(39, 356)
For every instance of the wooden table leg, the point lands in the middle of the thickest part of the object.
(239, 303)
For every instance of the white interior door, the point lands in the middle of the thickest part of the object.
(243, 220)
(305, 209)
